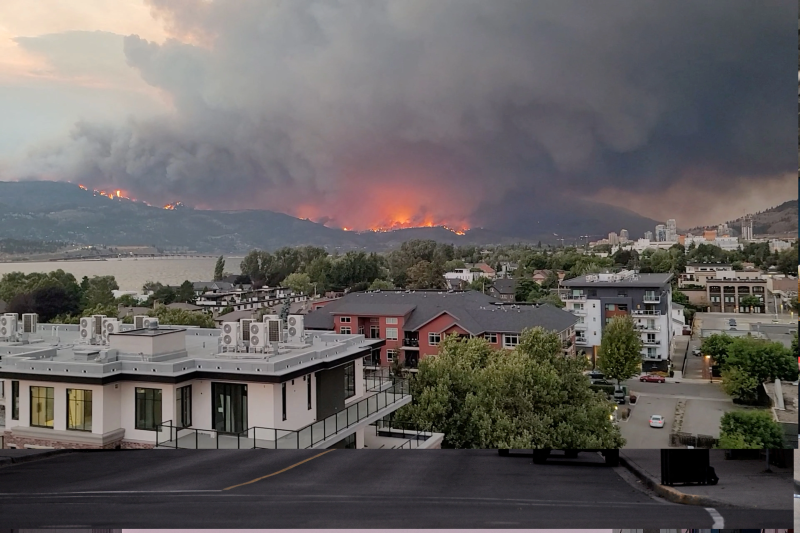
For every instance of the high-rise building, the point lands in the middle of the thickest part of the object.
(648, 235)
(613, 239)
(747, 228)
(623, 235)
(661, 233)
(723, 230)
(672, 230)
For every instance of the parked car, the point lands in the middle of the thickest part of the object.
(696, 352)
(651, 378)
(732, 322)
(619, 396)
(656, 421)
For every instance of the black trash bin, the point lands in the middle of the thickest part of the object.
(687, 466)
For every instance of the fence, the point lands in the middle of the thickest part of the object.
(680, 439)
(413, 433)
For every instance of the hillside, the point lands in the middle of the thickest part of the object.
(58, 211)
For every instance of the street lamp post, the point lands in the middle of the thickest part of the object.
(708, 364)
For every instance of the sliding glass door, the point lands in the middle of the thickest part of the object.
(230, 407)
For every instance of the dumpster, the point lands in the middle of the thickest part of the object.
(687, 466)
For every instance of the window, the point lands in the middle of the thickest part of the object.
(344, 330)
(391, 355)
(434, 339)
(42, 407)
(283, 401)
(509, 341)
(148, 408)
(491, 337)
(79, 409)
(652, 353)
(374, 332)
(651, 337)
(15, 400)
(344, 319)
(391, 320)
(308, 380)
(610, 307)
(349, 380)
(577, 307)
(391, 334)
(183, 406)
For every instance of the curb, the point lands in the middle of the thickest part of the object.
(669, 493)
(9, 461)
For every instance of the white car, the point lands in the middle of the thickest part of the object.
(656, 421)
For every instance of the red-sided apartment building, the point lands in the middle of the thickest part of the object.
(414, 322)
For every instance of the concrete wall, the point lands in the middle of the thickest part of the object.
(298, 414)
(128, 409)
(149, 345)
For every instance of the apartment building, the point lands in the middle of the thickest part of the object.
(245, 386)
(413, 323)
(597, 298)
(699, 273)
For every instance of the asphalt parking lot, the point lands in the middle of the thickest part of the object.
(341, 489)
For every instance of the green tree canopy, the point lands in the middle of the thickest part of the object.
(425, 275)
(185, 292)
(739, 384)
(100, 291)
(299, 283)
(754, 429)
(716, 346)
(219, 269)
(381, 285)
(181, 317)
(764, 360)
(531, 396)
(620, 353)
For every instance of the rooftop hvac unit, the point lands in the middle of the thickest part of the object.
(245, 329)
(87, 329)
(296, 329)
(29, 322)
(267, 318)
(150, 322)
(257, 331)
(110, 325)
(138, 321)
(8, 325)
(230, 333)
(97, 324)
(274, 331)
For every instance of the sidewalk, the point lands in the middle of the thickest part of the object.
(12, 457)
(742, 483)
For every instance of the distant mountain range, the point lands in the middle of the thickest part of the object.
(779, 220)
(59, 211)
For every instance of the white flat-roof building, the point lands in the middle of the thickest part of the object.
(184, 387)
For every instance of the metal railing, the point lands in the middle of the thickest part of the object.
(412, 433)
(651, 298)
(578, 312)
(581, 325)
(411, 343)
(580, 341)
(574, 297)
(652, 342)
(646, 312)
(645, 327)
(385, 394)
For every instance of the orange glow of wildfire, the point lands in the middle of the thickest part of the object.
(172, 207)
(117, 194)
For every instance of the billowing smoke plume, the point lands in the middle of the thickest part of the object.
(368, 112)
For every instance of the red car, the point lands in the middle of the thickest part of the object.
(652, 379)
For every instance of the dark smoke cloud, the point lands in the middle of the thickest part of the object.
(357, 111)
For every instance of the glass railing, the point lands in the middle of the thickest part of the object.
(647, 312)
(574, 297)
(170, 436)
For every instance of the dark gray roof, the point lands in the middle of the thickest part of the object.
(505, 285)
(185, 306)
(472, 310)
(235, 316)
(641, 280)
(212, 285)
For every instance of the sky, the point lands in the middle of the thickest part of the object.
(373, 113)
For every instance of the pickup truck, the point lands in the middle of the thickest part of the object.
(540, 456)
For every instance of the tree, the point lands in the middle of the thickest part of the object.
(425, 275)
(680, 298)
(185, 292)
(181, 317)
(756, 429)
(620, 350)
(739, 384)
(552, 299)
(762, 359)
(750, 301)
(716, 346)
(127, 300)
(530, 397)
(482, 284)
(219, 269)
(299, 283)
(100, 291)
(381, 285)
(787, 261)
(163, 295)
(551, 280)
(524, 288)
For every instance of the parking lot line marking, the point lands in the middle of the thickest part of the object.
(278, 472)
(719, 522)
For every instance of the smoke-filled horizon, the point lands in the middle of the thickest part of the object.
(369, 113)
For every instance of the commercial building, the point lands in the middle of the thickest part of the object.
(661, 233)
(595, 299)
(672, 230)
(250, 385)
(623, 235)
(413, 323)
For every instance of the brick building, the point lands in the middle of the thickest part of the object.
(413, 323)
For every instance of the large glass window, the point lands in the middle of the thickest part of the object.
(229, 407)
(183, 407)
(349, 380)
(391, 334)
(79, 409)
(510, 341)
(434, 339)
(148, 408)
(15, 400)
(42, 407)
(344, 330)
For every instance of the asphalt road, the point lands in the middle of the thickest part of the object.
(341, 489)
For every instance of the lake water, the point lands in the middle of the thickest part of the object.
(131, 274)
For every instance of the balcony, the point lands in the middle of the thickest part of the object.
(581, 326)
(646, 327)
(650, 298)
(646, 312)
(653, 357)
(578, 312)
(390, 396)
(653, 342)
(574, 298)
(411, 344)
(581, 341)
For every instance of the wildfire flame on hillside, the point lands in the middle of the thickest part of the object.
(117, 194)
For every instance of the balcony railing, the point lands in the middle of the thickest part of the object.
(646, 327)
(646, 312)
(580, 341)
(574, 297)
(578, 312)
(654, 342)
(411, 343)
(581, 325)
(652, 298)
(171, 436)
